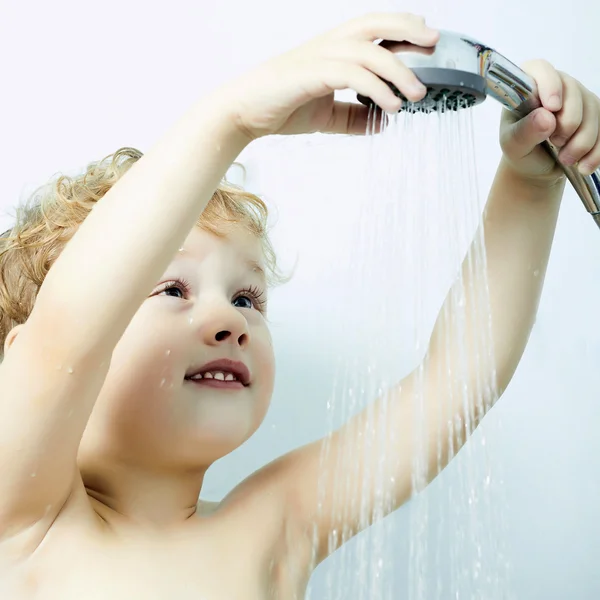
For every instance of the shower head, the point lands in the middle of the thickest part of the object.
(460, 72)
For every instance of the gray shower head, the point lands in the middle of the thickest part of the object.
(460, 72)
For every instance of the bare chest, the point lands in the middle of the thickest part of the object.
(224, 567)
(94, 577)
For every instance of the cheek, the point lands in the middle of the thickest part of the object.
(146, 357)
(265, 369)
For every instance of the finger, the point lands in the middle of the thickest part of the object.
(585, 137)
(356, 119)
(549, 83)
(383, 63)
(591, 161)
(570, 117)
(521, 137)
(397, 27)
(343, 76)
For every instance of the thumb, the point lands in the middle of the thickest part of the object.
(520, 137)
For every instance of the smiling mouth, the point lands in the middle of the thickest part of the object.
(220, 374)
(216, 379)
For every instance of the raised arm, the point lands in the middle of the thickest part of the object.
(56, 363)
(340, 496)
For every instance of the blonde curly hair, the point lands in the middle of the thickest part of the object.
(51, 216)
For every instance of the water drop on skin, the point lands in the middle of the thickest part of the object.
(162, 382)
(70, 370)
(33, 474)
(168, 352)
(191, 320)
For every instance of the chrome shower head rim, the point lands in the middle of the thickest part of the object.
(501, 79)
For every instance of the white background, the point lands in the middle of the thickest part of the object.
(81, 79)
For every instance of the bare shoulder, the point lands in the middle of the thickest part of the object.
(263, 507)
(77, 513)
(206, 508)
(270, 495)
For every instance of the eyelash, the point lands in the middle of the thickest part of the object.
(255, 293)
(181, 284)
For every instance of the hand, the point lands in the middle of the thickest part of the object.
(569, 118)
(294, 93)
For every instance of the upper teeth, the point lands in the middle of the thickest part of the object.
(215, 375)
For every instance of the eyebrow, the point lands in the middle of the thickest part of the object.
(252, 265)
(256, 267)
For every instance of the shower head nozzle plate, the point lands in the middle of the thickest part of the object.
(447, 89)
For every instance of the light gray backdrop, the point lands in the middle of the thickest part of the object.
(82, 79)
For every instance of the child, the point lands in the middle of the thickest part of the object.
(136, 352)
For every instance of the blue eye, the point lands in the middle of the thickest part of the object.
(243, 302)
(173, 291)
(249, 298)
(177, 288)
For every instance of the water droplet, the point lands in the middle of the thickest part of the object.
(191, 320)
(168, 352)
(33, 474)
(162, 382)
(70, 370)
(536, 272)
(181, 249)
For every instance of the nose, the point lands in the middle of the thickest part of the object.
(223, 324)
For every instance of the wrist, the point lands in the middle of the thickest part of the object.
(214, 115)
(552, 180)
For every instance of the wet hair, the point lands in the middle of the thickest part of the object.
(49, 218)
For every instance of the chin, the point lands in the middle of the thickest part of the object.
(221, 441)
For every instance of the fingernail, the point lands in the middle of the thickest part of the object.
(418, 88)
(586, 168)
(555, 102)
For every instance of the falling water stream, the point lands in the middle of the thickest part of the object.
(420, 216)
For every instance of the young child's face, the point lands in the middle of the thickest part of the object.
(206, 307)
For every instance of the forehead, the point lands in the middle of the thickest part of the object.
(239, 247)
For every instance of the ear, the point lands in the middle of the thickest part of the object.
(11, 337)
